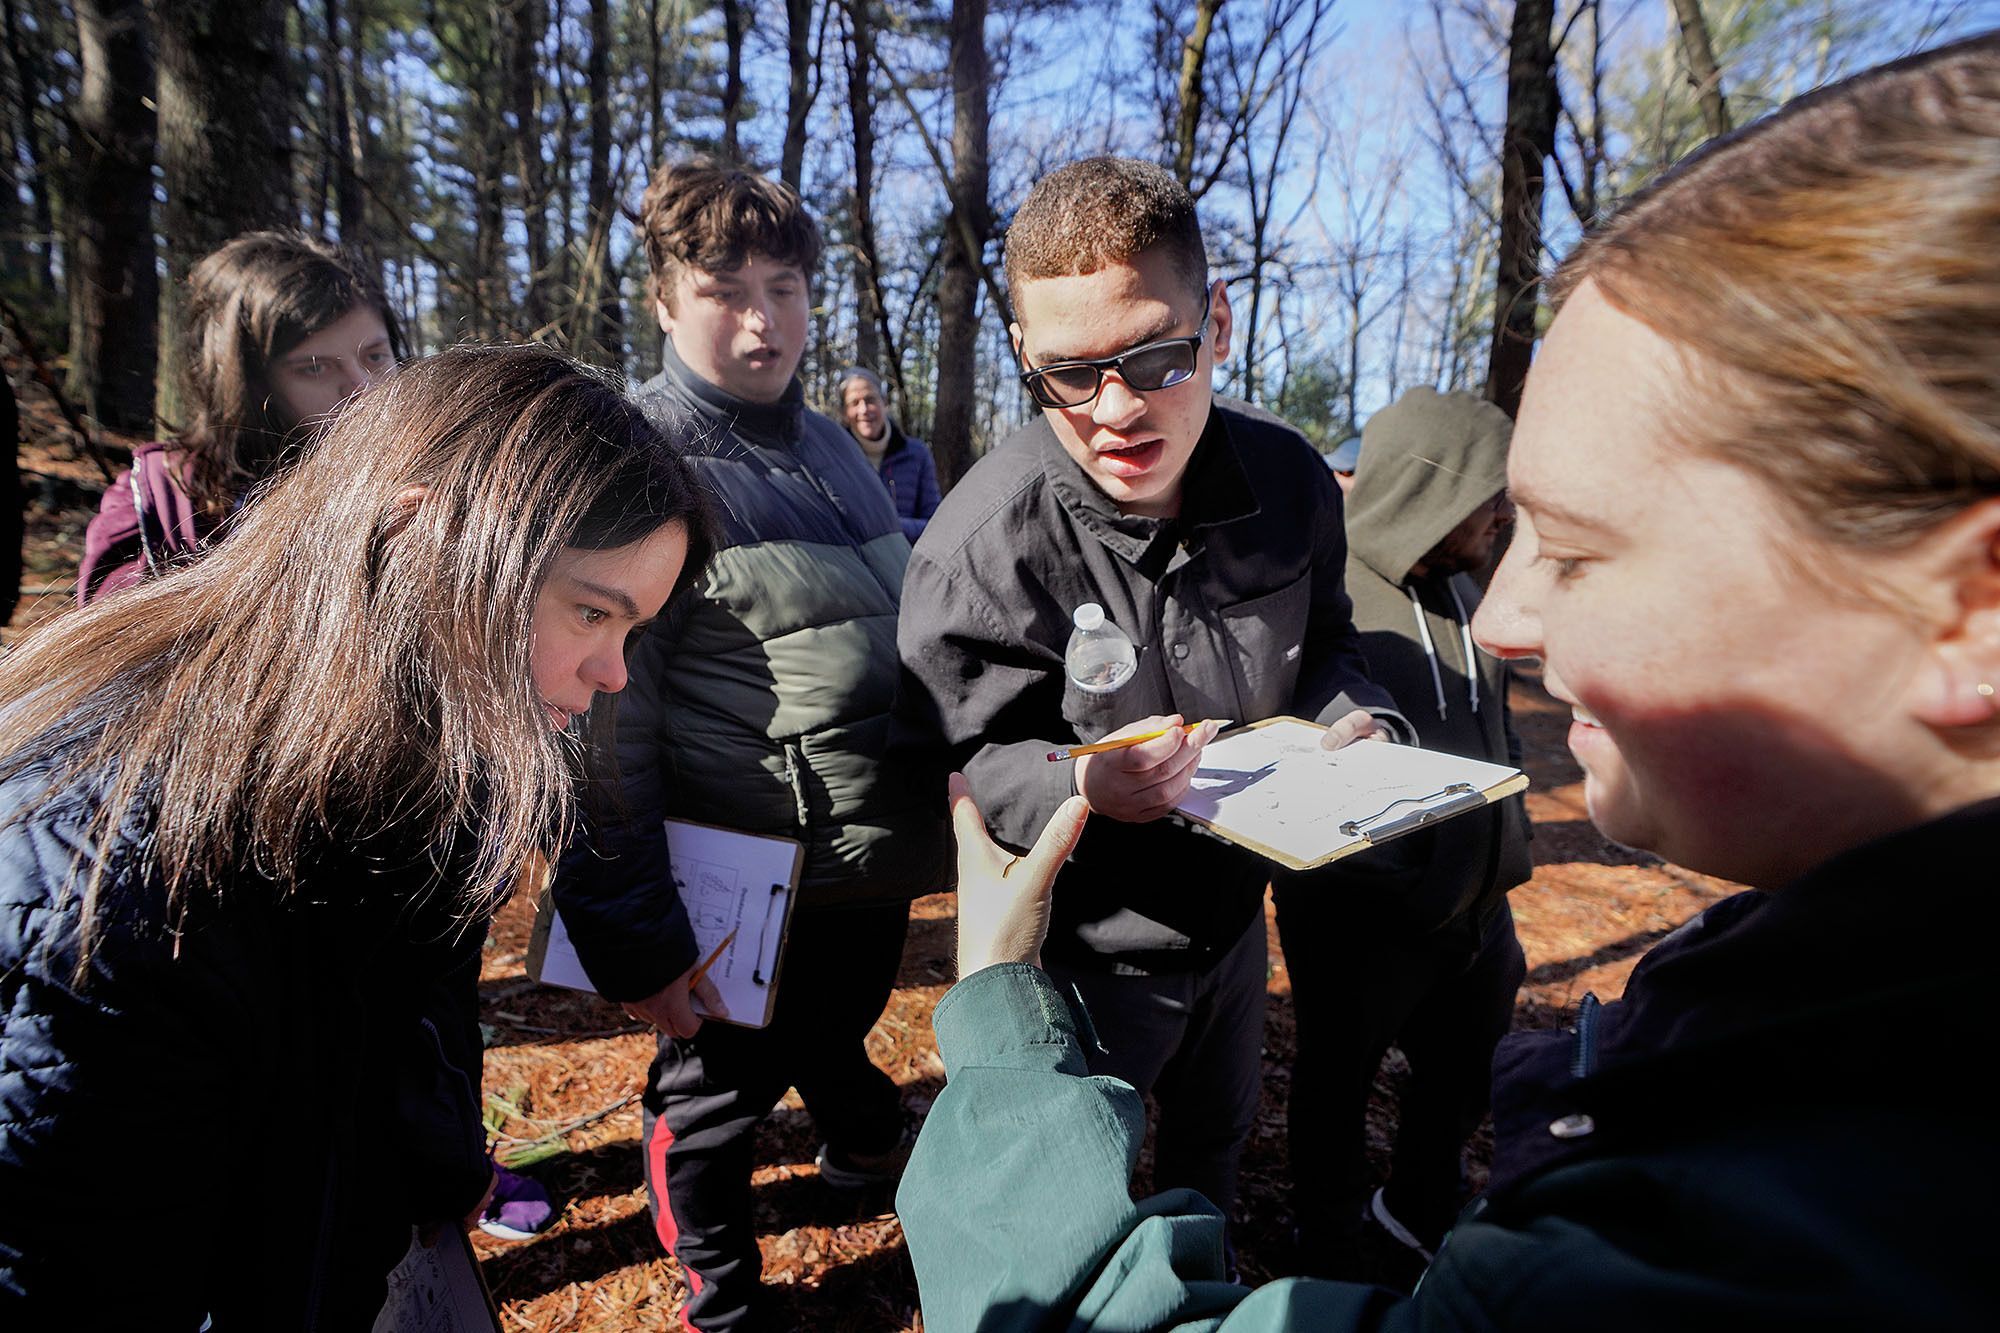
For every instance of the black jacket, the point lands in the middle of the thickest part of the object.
(243, 1122)
(1236, 608)
(1783, 1121)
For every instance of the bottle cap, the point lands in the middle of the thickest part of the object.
(1088, 616)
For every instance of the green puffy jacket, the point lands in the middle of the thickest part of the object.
(760, 700)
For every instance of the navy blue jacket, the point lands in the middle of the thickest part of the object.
(910, 473)
(271, 1099)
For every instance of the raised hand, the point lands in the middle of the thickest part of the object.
(1003, 899)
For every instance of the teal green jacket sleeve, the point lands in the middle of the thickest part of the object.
(1017, 1206)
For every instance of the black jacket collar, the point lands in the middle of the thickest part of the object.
(1832, 990)
(1214, 491)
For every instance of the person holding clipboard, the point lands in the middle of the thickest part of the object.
(1758, 475)
(1208, 534)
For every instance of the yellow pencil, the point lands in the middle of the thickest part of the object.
(709, 961)
(1122, 742)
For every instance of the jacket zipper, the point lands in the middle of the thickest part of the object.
(1583, 1050)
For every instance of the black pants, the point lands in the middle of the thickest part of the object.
(1356, 991)
(708, 1094)
(1194, 1041)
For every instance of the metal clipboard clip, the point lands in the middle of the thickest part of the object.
(1456, 799)
(757, 976)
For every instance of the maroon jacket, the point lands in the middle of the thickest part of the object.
(144, 524)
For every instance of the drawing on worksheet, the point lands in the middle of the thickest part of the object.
(1271, 788)
(713, 899)
(737, 890)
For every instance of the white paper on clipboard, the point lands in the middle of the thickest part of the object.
(728, 881)
(1271, 788)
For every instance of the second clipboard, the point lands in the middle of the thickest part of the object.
(727, 881)
(744, 883)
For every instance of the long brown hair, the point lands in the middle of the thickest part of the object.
(1836, 267)
(247, 304)
(340, 665)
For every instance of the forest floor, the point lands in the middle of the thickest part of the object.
(564, 1069)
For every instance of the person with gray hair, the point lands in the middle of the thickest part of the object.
(902, 461)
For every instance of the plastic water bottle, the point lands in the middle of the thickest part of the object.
(1100, 658)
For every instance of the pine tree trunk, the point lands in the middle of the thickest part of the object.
(13, 524)
(360, 138)
(608, 322)
(959, 274)
(1187, 122)
(28, 87)
(732, 78)
(530, 23)
(349, 207)
(114, 290)
(871, 324)
(225, 141)
(798, 97)
(1702, 71)
(1524, 154)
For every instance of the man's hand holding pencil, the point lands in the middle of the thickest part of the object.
(1141, 781)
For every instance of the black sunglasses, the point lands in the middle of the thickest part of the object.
(1146, 368)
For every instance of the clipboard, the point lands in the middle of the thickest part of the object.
(1269, 787)
(728, 881)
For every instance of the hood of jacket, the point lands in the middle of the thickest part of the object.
(1427, 461)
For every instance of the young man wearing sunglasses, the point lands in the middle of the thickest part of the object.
(1210, 533)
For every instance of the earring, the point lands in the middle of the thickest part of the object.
(1983, 689)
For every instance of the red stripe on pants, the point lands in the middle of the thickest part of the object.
(664, 1225)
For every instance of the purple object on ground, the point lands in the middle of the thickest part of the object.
(519, 1210)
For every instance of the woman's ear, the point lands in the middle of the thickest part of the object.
(1959, 685)
(405, 506)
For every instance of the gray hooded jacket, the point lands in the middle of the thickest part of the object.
(1427, 462)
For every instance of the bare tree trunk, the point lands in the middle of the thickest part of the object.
(28, 86)
(656, 89)
(486, 151)
(224, 136)
(608, 321)
(1194, 53)
(872, 335)
(799, 97)
(13, 523)
(1702, 71)
(566, 279)
(346, 178)
(359, 138)
(1530, 137)
(530, 23)
(732, 78)
(959, 275)
(114, 290)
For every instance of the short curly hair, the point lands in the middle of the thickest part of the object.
(1102, 211)
(714, 217)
